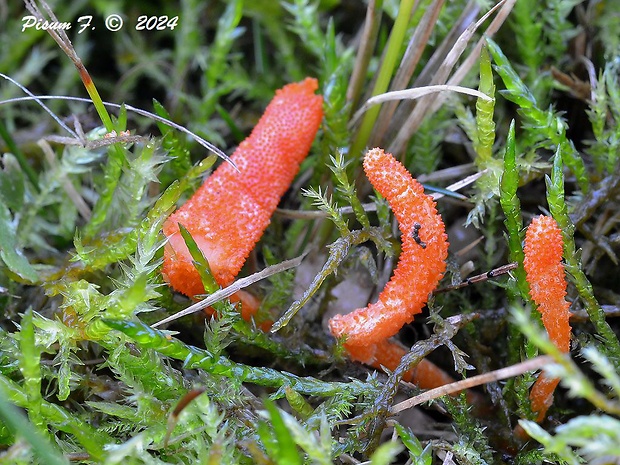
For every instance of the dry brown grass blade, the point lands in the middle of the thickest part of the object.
(468, 16)
(474, 55)
(425, 77)
(426, 106)
(234, 287)
(414, 93)
(503, 373)
(410, 60)
(452, 172)
(60, 36)
(364, 53)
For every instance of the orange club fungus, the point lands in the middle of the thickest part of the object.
(420, 267)
(545, 275)
(229, 213)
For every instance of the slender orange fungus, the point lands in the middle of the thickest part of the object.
(545, 275)
(420, 266)
(229, 213)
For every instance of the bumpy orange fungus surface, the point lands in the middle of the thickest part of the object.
(229, 213)
(420, 266)
(545, 275)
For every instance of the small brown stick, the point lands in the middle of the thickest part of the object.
(611, 311)
(503, 373)
(479, 278)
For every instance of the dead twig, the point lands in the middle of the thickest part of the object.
(503, 373)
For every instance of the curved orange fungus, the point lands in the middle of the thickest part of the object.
(545, 275)
(229, 212)
(420, 266)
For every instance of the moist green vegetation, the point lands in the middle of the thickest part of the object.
(84, 378)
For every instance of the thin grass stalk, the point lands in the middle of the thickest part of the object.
(397, 37)
(474, 55)
(440, 77)
(113, 168)
(411, 58)
(470, 12)
(425, 108)
(374, 13)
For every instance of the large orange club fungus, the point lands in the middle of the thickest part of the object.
(545, 275)
(420, 266)
(229, 213)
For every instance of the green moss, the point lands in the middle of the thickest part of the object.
(81, 244)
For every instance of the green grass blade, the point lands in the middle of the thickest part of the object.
(21, 159)
(200, 261)
(30, 366)
(9, 253)
(283, 449)
(17, 423)
(512, 210)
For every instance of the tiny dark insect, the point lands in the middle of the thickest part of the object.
(416, 235)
